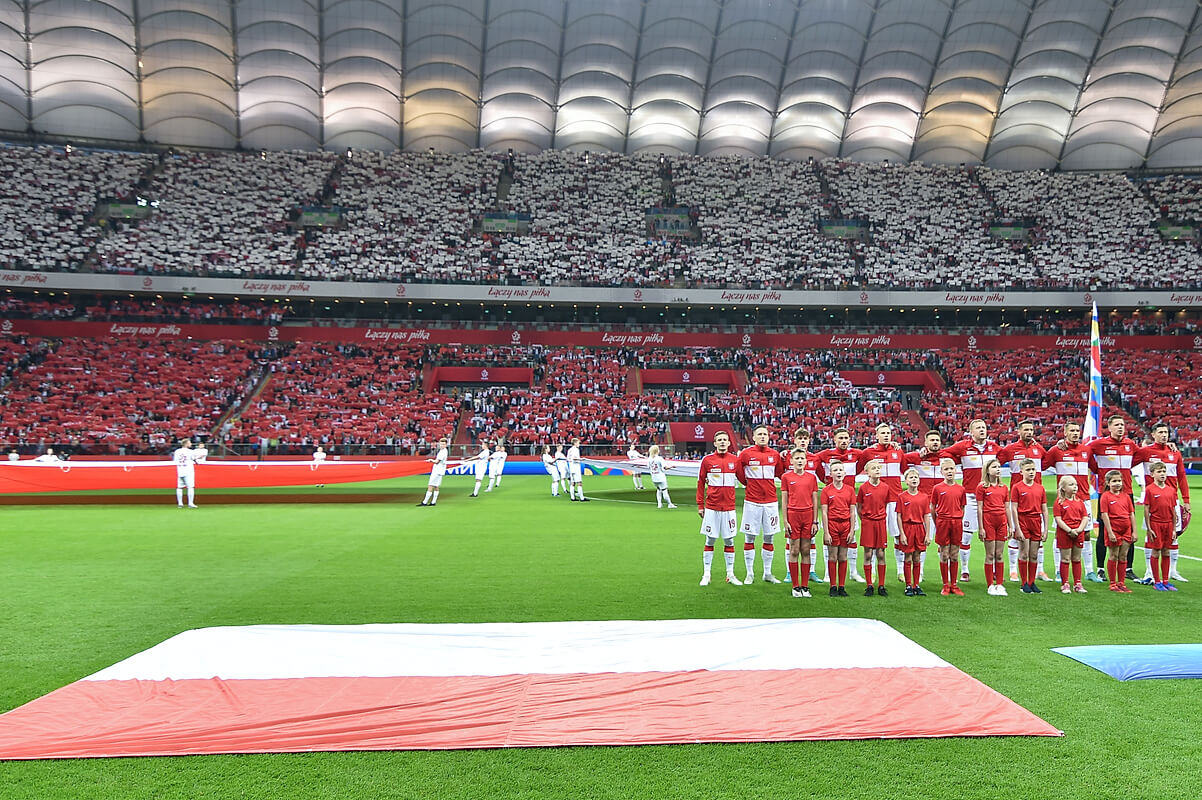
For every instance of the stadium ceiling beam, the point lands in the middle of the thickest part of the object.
(1186, 37)
(926, 95)
(634, 74)
(784, 69)
(483, 65)
(321, 72)
(237, 75)
(1093, 57)
(709, 75)
(28, 67)
(400, 134)
(563, 36)
(997, 112)
(855, 81)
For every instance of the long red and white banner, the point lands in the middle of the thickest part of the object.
(302, 688)
(576, 337)
(18, 477)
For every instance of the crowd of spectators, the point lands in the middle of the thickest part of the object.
(414, 217)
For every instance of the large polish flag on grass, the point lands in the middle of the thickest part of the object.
(300, 688)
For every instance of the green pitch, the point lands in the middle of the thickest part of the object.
(83, 587)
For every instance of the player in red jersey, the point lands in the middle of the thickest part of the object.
(716, 481)
(1013, 454)
(800, 490)
(838, 501)
(1117, 512)
(1072, 532)
(1028, 506)
(1160, 508)
(758, 467)
(926, 461)
(949, 500)
(994, 525)
(1116, 452)
(849, 456)
(971, 454)
(892, 460)
(1073, 459)
(872, 500)
(1160, 450)
(914, 520)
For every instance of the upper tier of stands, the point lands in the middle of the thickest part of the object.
(409, 217)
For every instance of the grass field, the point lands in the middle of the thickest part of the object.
(83, 587)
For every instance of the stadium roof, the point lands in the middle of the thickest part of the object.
(1083, 84)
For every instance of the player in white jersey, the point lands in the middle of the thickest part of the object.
(496, 466)
(13, 455)
(659, 477)
(633, 454)
(480, 465)
(49, 457)
(575, 473)
(552, 470)
(561, 467)
(319, 458)
(437, 471)
(185, 459)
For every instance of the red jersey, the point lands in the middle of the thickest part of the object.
(839, 501)
(1070, 512)
(928, 469)
(1030, 498)
(799, 489)
(891, 456)
(1108, 453)
(949, 500)
(1174, 464)
(1016, 453)
(913, 507)
(993, 498)
(1119, 508)
(716, 481)
(849, 458)
(1161, 503)
(972, 458)
(873, 499)
(758, 468)
(786, 458)
(1072, 460)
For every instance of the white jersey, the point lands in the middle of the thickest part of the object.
(549, 465)
(561, 464)
(319, 456)
(185, 459)
(14, 456)
(496, 462)
(633, 454)
(659, 475)
(47, 458)
(481, 461)
(440, 462)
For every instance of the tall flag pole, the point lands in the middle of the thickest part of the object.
(1093, 418)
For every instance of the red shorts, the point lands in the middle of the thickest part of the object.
(916, 537)
(841, 533)
(800, 522)
(1160, 535)
(873, 534)
(1127, 536)
(949, 531)
(1066, 541)
(997, 529)
(1030, 527)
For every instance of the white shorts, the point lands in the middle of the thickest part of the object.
(760, 518)
(576, 474)
(971, 523)
(495, 470)
(436, 477)
(659, 483)
(552, 470)
(185, 482)
(561, 469)
(718, 524)
(481, 468)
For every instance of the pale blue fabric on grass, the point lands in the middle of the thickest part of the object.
(1137, 662)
